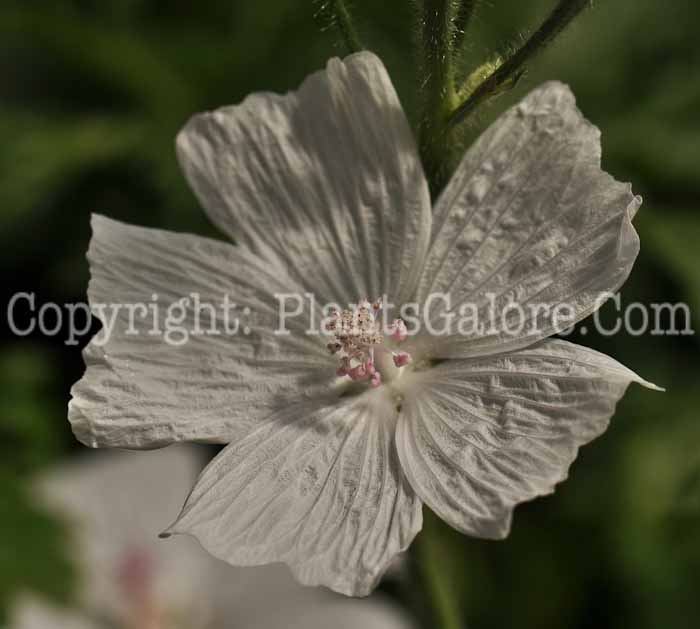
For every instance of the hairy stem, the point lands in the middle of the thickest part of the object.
(465, 12)
(439, 97)
(511, 69)
(341, 18)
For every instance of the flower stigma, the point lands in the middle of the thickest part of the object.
(365, 350)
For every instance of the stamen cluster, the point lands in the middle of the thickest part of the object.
(356, 335)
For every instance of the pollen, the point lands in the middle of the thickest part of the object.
(358, 339)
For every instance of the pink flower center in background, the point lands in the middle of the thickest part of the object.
(135, 577)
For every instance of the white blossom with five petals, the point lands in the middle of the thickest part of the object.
(323, 191)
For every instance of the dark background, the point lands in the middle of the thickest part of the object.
(91, 97)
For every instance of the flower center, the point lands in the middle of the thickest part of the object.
(135, 576)
(365, 350)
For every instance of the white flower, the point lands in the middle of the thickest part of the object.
(129, 580)
(323, 191)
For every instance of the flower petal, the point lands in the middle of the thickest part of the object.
(140, 389)
(343, 613)
(325, 180)
(29, 611)
(529, 217)
(118, 502)
(320, 489)
(476, 437)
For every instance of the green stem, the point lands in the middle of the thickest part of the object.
(437, 35)
(342, 20)
(508, 73)
(465, 12)
(435, 574)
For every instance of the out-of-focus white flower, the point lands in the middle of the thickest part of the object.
(334, 446)
(131, 580)
(31, 612)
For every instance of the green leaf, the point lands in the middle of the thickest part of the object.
(34, 549)
(673, 237)
(32, 423)
(41, 154)
(116, 57)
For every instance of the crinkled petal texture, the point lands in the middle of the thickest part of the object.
(144, 389)
(324, 192)
(478, 436)
(529, 218)
(117, 503)
(325, 181)
(317, 486)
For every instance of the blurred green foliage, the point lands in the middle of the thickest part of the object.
(93, 93)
